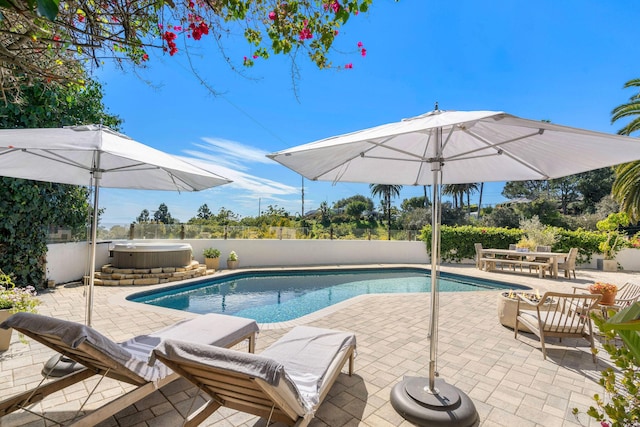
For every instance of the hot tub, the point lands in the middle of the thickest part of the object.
(151, 255)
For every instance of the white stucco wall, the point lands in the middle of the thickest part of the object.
(67, 262)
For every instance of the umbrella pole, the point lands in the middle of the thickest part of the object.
(94, 235)
(435, 272)
(418, 399)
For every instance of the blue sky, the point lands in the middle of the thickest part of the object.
(561, 61)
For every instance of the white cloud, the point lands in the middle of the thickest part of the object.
(230, 153)
(233, 160)
(245, 195)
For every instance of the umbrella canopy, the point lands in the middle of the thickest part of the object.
(96, 155)
(71, 155)
(453, 147)
(476, 146)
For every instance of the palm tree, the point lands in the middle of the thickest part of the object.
(626, 187)
(480, 198)
(458, 191)
(471, 188)
(455, 191)
(386, 193)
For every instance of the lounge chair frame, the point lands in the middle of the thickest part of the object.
(95, 362)
(252, 395)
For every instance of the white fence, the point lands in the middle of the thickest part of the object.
(67, 262)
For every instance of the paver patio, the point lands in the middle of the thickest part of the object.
(507, 379)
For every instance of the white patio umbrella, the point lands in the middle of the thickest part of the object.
(455, 147)
(97, 156)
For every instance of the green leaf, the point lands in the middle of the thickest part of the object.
(48, 9)
(626, 323)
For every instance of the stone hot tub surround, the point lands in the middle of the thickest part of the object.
(112, 276)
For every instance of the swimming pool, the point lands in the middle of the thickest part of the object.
(268, 296)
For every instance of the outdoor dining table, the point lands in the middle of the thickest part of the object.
(503, 254)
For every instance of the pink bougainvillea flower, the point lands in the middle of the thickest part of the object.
(80, 18)
(335, 32)
(360, 44)
(272, 15)
(177, 28)
(191, 5)
(305, 34)
(363, 52)
(255, 56)
(348, 66)
(145, 57)
(604, 424)
(335, 6)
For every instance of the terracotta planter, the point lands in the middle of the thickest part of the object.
(608, 298)
(5, 334)
(212, 263)
(232, 264)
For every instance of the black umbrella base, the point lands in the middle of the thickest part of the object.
(59, 366)
(448, 406)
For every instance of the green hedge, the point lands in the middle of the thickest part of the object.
(457, 243)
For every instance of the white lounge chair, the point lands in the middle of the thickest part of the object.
(285, 383)
(127, 361)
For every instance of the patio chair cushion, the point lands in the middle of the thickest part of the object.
(557, 323)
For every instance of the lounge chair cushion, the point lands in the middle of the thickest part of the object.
(306, 354)
(211, 329)
(555, 323)
(73, 334)
(300, 358)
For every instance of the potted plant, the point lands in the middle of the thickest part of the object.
(13, 300)
(607, 290)
(614, 241)
(211, 258)
(232, 260)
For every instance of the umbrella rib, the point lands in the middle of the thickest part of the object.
(490, 145)
(424, 154)
(346, 162)
(500, 151)
(61, 159)
(397, 150)
(175, 179)
(55, 157)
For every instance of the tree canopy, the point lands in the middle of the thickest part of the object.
(626, 187)
(53, 42)
(28, 208)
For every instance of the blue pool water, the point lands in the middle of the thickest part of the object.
(276, 297)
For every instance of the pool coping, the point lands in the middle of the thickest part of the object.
(121, 298)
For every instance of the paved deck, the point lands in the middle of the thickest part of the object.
(507, 379)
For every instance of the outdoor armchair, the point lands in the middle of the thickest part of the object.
(558, 315)
(569, 264)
